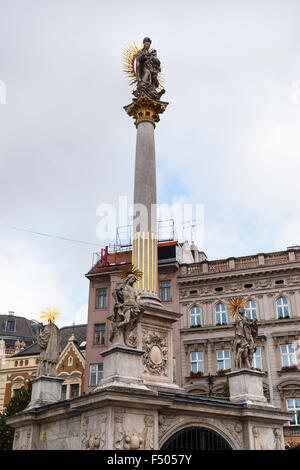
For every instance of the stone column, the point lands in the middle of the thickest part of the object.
(146, 112)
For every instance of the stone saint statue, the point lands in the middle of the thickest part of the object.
(147, 68)
(49, 342)
(244, 341)
(126, 314)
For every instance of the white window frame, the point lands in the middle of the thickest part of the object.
(251, 311)
(289, 354)
(98, 372)
(223, 359)
(220, 314)
(198, 361)
(294, 408)
(283, 305)
(257, 358)
(195, 315)
(102, 298)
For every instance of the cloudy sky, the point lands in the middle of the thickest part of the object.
(229, 138)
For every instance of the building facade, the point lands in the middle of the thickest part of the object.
(203, 338)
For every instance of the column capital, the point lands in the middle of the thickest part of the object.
(144, 108)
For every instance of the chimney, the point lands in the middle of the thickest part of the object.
(11, 313)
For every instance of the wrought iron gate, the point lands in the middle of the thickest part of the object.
(196, 438)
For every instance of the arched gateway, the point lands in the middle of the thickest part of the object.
(196, 438)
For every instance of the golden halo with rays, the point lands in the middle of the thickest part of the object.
(131, 270)
(128, 63)
(234, 304)
(51, 314)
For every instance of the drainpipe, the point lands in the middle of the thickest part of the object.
(266, 337)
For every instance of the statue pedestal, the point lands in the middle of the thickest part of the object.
(45, 390)
(122, 367)
(246, 386)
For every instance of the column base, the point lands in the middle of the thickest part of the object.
(246, 386)
(122, 368)
(45, 390)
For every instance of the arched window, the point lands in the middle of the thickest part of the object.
(282, 307)
(195, 316)
(221, 314)
(251, 309)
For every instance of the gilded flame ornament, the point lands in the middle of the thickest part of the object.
(50, 315)
(234, 304)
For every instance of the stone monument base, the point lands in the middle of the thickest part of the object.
(122, 367)
(45, 390)
(246, 386)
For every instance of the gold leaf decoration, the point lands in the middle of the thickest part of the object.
(234, 304)
(50, 315)
(131, 270)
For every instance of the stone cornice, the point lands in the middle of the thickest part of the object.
(257, 271)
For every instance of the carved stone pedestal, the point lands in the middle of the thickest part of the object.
(246, 386)
(122, 367)
(45, 390)
(155, 339)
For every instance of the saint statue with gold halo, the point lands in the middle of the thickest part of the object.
(49, 342)
(245, 334)
(143, 66)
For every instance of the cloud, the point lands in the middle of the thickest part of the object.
(29, 283)
(228, 139)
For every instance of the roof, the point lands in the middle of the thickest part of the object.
(23, 327)
(65, 333)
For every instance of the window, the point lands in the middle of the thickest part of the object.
(256, 361)
(165, 291)
(223, 358)
(99, 334)
(96, 371)
(70, 361)
(282, 308)
(10, 324)
(221, 315)
(288, 357)
(251, 311)
(64, 392)
(101, 295)
(197, 361)
(74, 392)
(293, 404)
(195, 316)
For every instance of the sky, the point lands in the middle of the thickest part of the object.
(229, 138)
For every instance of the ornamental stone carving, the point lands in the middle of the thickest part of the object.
(22, 440)
(164, 422)
(235, 430)
(155, 359)
(119, 435)
(267, 438)
(94, 440)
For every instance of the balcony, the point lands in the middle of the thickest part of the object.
(291, 431)
(241, 263)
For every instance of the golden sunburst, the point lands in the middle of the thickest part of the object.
(234, 304)
(51, 314)
(131, 270)
(128, 63)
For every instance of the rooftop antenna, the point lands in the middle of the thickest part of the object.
(192, 224)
